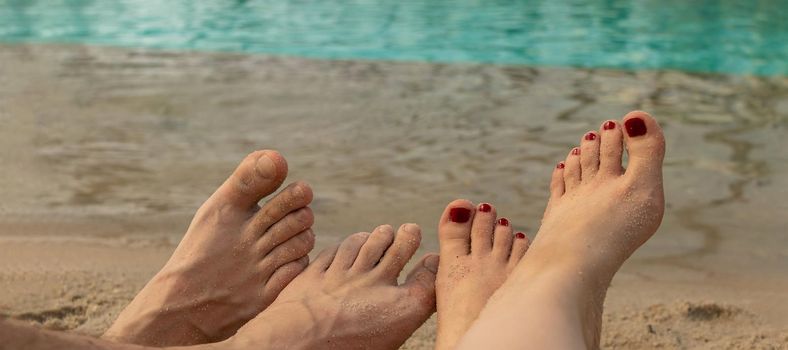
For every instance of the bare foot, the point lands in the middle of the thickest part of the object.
(348, 298)
(232, 263)
(477, 254)
(598, 215)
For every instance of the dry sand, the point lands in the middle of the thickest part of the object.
(106, 153)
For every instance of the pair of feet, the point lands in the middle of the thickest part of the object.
(244, 265)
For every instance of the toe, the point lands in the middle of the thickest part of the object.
(589, 155)
(502, 243)
(289, 226)
(406, 241)
(376, 245)
(557, 182)
(295, 196)
(572, 171)
(259, 174)
(324, 259)
(281, 278)
(482, 229)
(420, 284)
(348, 251)
(645, 145)
(519, 247)
(293, 249)
(610, 149)
(454, 228)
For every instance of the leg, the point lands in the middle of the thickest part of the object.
(598, 215)
(16, 335)
(232, 263)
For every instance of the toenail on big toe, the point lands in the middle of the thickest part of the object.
(459, 215)
(265, 167)
(635, 127)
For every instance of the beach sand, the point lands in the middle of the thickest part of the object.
(106, 153)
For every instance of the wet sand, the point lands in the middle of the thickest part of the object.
(106, 153)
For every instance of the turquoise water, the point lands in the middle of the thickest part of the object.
(748, 37)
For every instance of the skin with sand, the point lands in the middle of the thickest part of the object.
(597, 216)
(478, 251)
(231, 264)
(237, 257)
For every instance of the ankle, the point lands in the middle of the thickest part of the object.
(567, 285)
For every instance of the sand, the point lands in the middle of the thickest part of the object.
(107, 152)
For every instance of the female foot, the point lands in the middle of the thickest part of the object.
(231, 264)
(597, 216)
(348, 298)
(477, 254)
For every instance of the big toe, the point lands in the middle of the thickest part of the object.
(420, 284)
(258, 175)
(454, 228)
(645, 146)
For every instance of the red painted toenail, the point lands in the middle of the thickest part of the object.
(460, 215)
(560, 165)
(590, 136)
(635, 127)
(485, 208)
(503, 222)
(575, 151)
(520, 235)
(609, 125)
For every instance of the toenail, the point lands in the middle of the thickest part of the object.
(503, 222)
(412, 228)
(265, 167)
(635, 127)
(575, 151)
(560, 165)
(459, 215)
(520, 235)
(591, 136)
(485, 208)
(609, 125)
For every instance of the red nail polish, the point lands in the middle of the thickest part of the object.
(575, 151)
(485, 208)
(560, 165)
(503, 222)
(520, 235)
(590, 136)
(635, 127)
(459, 215)
(609, 125)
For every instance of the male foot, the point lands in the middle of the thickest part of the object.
(348, 298)
(477, 254)
(597, 216)
(232, 262)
